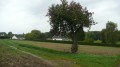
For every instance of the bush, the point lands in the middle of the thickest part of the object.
(98, 41)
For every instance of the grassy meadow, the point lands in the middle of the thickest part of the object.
(10, 57)
(60, 56)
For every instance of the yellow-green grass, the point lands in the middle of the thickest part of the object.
(100, 50)
(88, 56)
(10, 57)
(118, 42)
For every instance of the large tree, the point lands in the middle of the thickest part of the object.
(69, 18)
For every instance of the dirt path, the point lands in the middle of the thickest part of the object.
(43, 60)
(25, 59)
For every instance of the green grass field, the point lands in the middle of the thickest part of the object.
(59, 54)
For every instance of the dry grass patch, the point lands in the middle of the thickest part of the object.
(101, 50)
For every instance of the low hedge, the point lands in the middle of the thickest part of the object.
(79, 43)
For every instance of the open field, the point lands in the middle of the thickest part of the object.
(99, 50)
(58, 54)
(10, 57)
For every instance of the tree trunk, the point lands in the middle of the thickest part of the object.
(74, 47)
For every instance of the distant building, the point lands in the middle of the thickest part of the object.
(14, 37)
(2, 34)
(59, 38)
(18, 37)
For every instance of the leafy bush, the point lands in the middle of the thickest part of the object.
(98, 41)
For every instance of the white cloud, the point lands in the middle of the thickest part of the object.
(105, 10)
(21, 16)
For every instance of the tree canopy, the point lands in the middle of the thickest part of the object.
(10, 34)
(110, 34)
(69, 18)
(35, 35)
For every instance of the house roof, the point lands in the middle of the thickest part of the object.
(58, 36)
(19, 35)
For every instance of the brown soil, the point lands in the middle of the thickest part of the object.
(14, 58)
(23, 61)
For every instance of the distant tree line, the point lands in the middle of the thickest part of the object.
(4, 35)
(109, 35)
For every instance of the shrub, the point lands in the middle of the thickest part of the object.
(98, 41)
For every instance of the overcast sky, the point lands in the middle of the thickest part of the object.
(22, 16)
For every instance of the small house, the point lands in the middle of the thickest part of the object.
(61, 38)
(14, 37)
(18, 37)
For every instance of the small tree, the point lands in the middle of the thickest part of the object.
(34, 35)
(69, 18)
(111, 32)
(10, 34)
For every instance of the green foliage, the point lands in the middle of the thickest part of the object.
(80, 35)
(48, 34)
(89, 37)
(110, 34)
(96, 35)
(103, 35)
(35, 35)
(4, 35)
(89, 40)
(10, 34)
(98, 41)
(69, 18)
(28, 36)
(42, 36)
